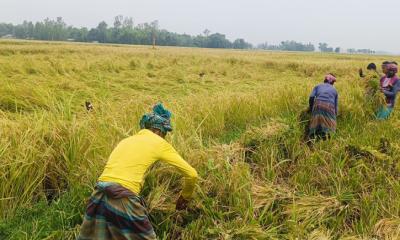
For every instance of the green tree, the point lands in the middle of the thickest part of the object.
(240, 44)
(102, 32)
(323, 47)
(123, 31)
(218, 40)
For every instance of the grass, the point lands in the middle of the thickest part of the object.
(237, 121)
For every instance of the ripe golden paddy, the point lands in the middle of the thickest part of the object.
(236, 116)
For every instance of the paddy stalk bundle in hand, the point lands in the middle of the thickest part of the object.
(374, 96)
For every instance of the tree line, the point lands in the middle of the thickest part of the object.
(288, 46)
(124, 31)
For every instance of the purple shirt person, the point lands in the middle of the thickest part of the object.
(323, 103)
(324, 92)
(390, 85)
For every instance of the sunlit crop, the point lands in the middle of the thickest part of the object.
(237, 120)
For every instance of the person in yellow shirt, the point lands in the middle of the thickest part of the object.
(115, 209)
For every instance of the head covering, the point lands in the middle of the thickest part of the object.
(392, 68)
(160, 119)
(330, 78)
(371, 66)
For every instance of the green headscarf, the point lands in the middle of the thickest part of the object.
(160, 119)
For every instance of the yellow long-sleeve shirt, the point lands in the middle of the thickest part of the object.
(134, 155)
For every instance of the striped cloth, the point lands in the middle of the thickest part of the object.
(384, 113)
(114, 212)
(323, 119)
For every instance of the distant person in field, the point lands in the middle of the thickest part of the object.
(374, 98)
(323, 104)
(115, 209)
(371, 69)
(389, 85)
(371, 79)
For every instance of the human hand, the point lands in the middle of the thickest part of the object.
(181, 203)
(361, 73)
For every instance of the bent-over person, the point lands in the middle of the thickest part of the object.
(115, 209)
(323, 104)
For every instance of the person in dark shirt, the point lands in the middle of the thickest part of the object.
(374, 98)
(323, 104)
(371, 68)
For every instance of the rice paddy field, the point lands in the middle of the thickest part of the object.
(238, 120)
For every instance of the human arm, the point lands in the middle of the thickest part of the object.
(337, 104)
(311, 100)
(393, 91)
(170, 156)
(361, 73)
(311, 103)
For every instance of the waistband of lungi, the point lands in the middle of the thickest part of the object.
(115, 190)
(323, 103)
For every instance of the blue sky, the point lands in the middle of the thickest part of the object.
(345, 23)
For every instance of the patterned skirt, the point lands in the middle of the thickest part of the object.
(115, 213)
(323, 119)
(384, 113)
